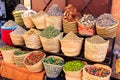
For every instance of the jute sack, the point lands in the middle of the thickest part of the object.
(55, 21)
(39, 19)
(52, 44)
(96, 51)
(87, 76)
(71, 44)
(32, 39)
(109, 31)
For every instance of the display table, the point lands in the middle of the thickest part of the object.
(13, 72)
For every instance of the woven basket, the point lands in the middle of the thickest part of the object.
(39, 21)
(71, 47)
(55, 21)
(53, 71)
(95, 52)
(28, 22)
(69, 26)
(19, 59)
(17, 39)
(87, 76)
(107, 31)
(52, 44)
(36, 67)
(32, 41)
(8, 55)
(18, 18)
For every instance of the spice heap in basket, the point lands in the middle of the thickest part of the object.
(19, 56)
(16, 36)
(96, 48)
(33, 61)
(26, 16)
(106, 25)
(8, 53)
(39, 19)
(86, 25)
(73, 70)
(55, 17)
(19, 9)
(32, 39)
(70, 19)
(50, 37)
(96, 72)
(53, 66)
(71, 44)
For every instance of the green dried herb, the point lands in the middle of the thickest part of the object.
(6, 48)
(50, 32)
(73, 65)
(20, 52)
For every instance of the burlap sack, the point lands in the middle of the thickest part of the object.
(39, 20)
(107, 31)
(72, 45)
(52, 44)
(87, 76)
(96, 51)
(55, 21)
(32, 40)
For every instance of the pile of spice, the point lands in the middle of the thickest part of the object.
(106, 20)
(19, 30)
(97, 71)
(71, 13)
(35, 15)
(55, 10)
(10, 24)
(34, 58)
(54, 61)
(96, 39)
(87, 20)
(32, 31)
(17, 53)
(73, 65)
(50, 32)
(6, 48)
(28, 13)
(20, 7)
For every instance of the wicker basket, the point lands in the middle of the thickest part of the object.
(87, 76)
(107, 31)
(32, 40)
(95, 52)
(70, 26)
(52, 44)
(36, 67)
(53, 71)
(8, 55)
(28, 22)
(71, 44)
(55, 21)
(19, 59)
(39, 20)
(17, 39)
(18, 18)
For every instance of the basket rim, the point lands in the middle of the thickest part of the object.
(35, 63)
(53, 64)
